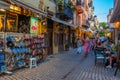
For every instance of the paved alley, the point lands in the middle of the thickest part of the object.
(65, 66)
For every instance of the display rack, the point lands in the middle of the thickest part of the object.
(27, 42)
(37, 46)
(2, 55)
(16, 51)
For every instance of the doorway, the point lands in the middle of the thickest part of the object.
(61, 46)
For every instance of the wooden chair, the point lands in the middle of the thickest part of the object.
(99, 55)
(118, 62)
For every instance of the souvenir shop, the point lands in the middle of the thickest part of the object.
(21, 39)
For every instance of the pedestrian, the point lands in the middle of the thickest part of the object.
(112, 56)
(79, 45)
(73, 41)
(87, 46)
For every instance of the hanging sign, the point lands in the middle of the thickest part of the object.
(33, 25)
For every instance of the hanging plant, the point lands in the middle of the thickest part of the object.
(72, 6)
(60, 2)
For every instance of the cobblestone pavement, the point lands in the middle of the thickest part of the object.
(65, 66)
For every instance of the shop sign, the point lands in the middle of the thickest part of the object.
(33, 25)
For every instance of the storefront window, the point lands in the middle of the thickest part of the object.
(23, 24)
(11, 22)
(2, 21)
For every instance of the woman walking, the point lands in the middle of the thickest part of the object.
(79, 45)
(87, 46)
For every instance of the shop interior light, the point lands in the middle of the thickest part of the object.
(11, 7)
(37, 16)
(2, 10)
(117, 24)
(16, 8)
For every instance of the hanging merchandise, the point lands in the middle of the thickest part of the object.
(2, 55)
(1, 41)
(27, 43)
(37, 46)
(15, 51)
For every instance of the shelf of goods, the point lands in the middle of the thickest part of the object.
(37, 47)
(2, 55)
(15, 51)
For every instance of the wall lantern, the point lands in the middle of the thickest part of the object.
(116, 24)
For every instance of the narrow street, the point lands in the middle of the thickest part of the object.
(65, 66)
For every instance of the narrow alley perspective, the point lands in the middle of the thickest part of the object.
(59, 39)
(65, 66)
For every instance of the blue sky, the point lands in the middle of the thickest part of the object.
(102, 9)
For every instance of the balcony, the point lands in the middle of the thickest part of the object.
(86, 24)
(64, 12)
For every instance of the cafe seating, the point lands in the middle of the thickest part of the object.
(118, 64)
(99, 55)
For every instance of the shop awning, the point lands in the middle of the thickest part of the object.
(63, 22)
(4, 5)
(28, 6)
(116, 12)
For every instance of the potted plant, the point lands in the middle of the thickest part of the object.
(117, 47)
(72, 6)
(60, 4)
(66, 46)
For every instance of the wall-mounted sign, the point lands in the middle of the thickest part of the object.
(33, 25)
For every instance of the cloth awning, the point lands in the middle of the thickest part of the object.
(4, 5)
(28, 6)
(116, 12)
(63, 22)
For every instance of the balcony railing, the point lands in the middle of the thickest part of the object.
(64, 12)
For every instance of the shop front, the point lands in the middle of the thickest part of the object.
(116, 31)
(64, 39)
(55, 37)
(50, 36)
(20, 38)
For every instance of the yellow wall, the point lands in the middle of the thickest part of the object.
(41, 28)
(55, 47)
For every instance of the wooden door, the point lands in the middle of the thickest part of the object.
(61, 42)
(50, 42)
